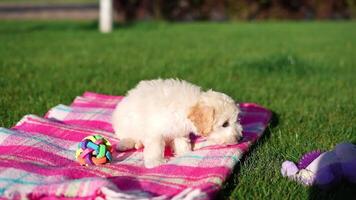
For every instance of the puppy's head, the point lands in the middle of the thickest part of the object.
(216, 117)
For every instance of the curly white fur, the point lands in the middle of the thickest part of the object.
(160, 112)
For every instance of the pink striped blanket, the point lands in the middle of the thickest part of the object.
(38, 158)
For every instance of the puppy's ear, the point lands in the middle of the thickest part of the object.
(203, 118)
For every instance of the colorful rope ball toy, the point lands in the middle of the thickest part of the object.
(94, 150)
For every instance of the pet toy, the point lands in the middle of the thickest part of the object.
(94, 150)
(324, 169)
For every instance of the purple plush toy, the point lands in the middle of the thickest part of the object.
(324, 169)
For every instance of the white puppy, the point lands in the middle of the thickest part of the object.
(160, 112)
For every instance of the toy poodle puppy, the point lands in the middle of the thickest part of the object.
(164, 112)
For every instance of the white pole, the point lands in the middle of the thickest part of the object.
(105, 16)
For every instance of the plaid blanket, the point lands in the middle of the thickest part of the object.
(38, 158)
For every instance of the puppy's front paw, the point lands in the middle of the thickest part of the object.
(182, 146)
(151, 163)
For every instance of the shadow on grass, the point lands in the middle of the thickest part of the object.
(231, 183)
(344, 191)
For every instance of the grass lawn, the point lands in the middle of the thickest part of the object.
(303, 71)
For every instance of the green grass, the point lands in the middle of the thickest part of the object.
(303, 71)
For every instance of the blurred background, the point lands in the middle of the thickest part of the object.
(181, 10)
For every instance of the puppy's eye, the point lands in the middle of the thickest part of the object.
(225, 124)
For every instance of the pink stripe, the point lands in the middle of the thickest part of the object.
(243, 146)
(87, 102)
(71, 172)
(22, 151)
(34, 159)
(66, 127)
(57, 162)
(92, 105)
(91, 124)
(101, 96)
(64, 112)
(57, 130)
(52, 131)
(93, 171)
